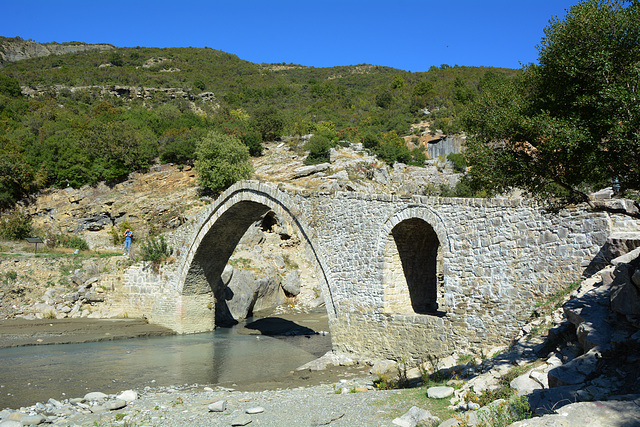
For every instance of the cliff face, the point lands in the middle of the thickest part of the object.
(16, 49)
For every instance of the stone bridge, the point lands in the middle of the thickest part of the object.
(401, 276)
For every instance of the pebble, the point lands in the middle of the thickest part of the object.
(219, 406)
(191, 405)
(242, 420)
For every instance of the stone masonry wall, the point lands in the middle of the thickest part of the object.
(499, 257)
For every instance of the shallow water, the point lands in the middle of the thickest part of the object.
(37, 373)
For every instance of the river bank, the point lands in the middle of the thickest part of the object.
(192, 405)
(19, 332)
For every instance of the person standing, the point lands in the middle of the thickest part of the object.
(127, 241)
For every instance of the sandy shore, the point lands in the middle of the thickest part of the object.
(20, 332)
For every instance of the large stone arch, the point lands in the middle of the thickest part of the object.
(218, 233)
(412, 247)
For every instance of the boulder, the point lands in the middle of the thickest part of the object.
(128, 396)
(627, 258)
(94, 395)
(115, 404)
(524, 384)
(388, 368)
(607, 413)
(414, 416)
(268, 294)
(10, 423)
(93, 297)
(576, 371)
(291, 283)
(619, 244)
(309, 170)
(589, 314)
(439, 392)
(245, 294)
(625, 296)
(241, 420)
(341, 176)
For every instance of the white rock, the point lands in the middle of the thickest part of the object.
(439, 392)
(95, 395)
(524, 384)
(219, 406)
(128, 396)
(256, 410)
(414, 416)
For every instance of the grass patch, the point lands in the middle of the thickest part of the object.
(400, 401)
(556, 300)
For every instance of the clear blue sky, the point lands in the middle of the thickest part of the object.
(408, 34)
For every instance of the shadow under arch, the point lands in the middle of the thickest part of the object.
(412, 245)
(220, 229)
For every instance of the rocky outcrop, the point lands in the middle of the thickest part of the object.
(16, 49)
(126, 93)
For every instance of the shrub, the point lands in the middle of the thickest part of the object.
(15, 226)
(506, 413)
(253, 140)
(458, 160)
(117, 232)
(269, 122)
(156, 250)
(319, 150)
(221, 160)
(370, 141)
(74, 242)
(10, 86)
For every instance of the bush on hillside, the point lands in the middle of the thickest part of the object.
(319, 150)
(156, 250)
(15, 226)
(117, 232)
(253, 140)
(458, 160)
(221, 160)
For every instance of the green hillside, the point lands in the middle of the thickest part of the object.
(69, 133)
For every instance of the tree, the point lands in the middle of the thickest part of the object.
(269, 122)
(221, 160)
(384, 99)
(9, 86)
(319, 147)
(571, 124)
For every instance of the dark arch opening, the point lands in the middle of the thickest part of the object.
(417, 247)
(208, 277)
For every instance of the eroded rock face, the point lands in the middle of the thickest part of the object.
(159, 198)
(16, 49)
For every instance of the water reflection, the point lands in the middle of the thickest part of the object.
(34, 374)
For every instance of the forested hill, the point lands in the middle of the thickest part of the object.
(100, 114)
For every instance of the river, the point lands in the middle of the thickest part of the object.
(36, 373)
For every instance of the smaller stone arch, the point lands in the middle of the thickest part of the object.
(412, 246)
